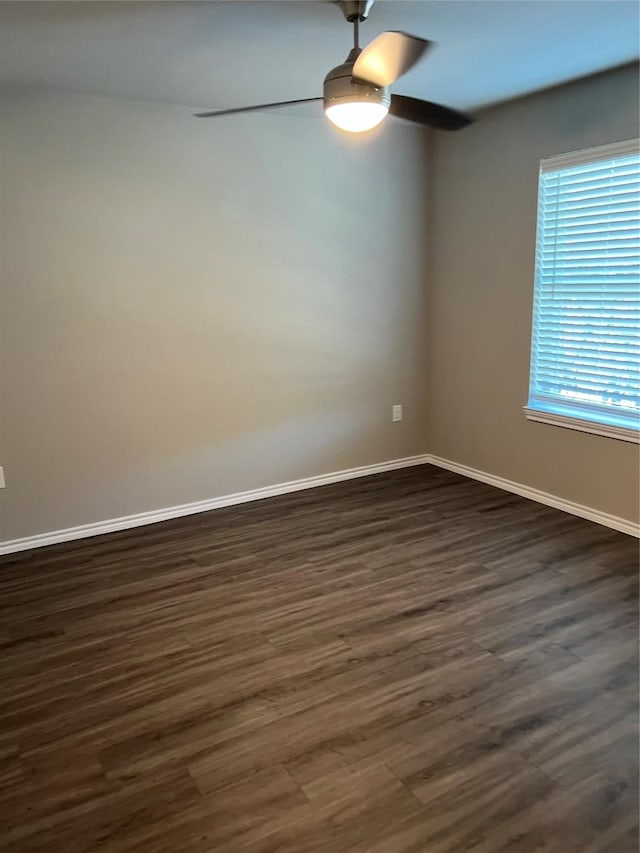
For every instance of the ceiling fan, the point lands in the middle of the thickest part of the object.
(356, 93)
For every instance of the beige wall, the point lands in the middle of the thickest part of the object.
(482, 240)
(191, 309)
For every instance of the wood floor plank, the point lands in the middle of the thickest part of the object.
(404, 663)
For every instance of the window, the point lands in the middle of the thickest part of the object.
(585, 350)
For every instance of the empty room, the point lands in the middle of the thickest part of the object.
(319, 426)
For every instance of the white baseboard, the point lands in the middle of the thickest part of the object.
(604, 518)
(128, 521)
(139, 519)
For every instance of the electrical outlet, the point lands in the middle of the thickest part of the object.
(396, 413)
(1, 477)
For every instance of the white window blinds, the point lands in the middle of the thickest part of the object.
(585, 356)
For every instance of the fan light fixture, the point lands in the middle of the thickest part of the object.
(356, 116)
(352, 104)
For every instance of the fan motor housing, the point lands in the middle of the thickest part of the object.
(339, 86)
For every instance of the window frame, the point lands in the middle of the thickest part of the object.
(597, 426)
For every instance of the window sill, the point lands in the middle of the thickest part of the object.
(621, 433)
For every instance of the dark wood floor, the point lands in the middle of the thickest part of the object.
(407, 663)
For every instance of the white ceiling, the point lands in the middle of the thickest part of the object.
(222, 54)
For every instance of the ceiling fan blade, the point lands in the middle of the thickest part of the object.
(255, 108)
(389, 56)
(426, 112)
